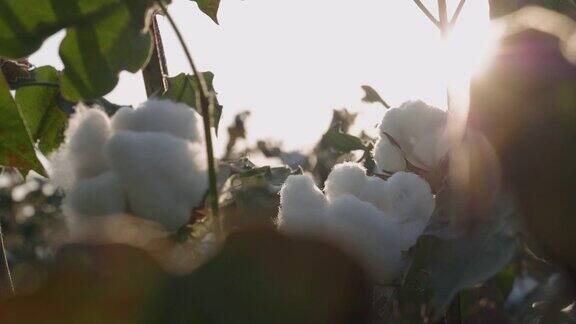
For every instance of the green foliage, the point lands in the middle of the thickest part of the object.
(209, 7)
(372, 96)
(16, 149)
(441, 267)
(103, 38)
(39, 109)
(343, 142)
(181, 89)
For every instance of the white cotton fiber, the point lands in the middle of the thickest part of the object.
(345, 179)
(82, 154)
(98, 196)
(419, 129)
(410, 196)
(162, 116)
(164, 177)
(148, 162)
(372, 219)
(303, 207)
(364, 231)
(88, 132)
(388, 157)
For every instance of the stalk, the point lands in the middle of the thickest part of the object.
(6, 281)
(206, 103)
(155, 73)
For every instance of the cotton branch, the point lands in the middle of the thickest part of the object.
(456, 15)
(427, 13)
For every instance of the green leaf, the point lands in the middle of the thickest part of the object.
(39, 108)
(181, 89)
(103, 38)
(209, 7)
(372, 96)
(16, 149)
(343, 142)
(441, 267)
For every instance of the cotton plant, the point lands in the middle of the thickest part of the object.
(414, 133)
(148, 162)
(372, 219)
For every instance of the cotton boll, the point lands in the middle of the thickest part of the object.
(417, 128)
(345, 178)
(60, 170)
(86, 136)
(303, 208)
(377, 192)
(388, 157)
(367, 234)
(98, 196)
(411, 198)
(350, 178)
(164, 177)
(163, 116)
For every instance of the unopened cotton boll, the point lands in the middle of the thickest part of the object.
(303, 207)
(389, 158)
(98, 196)
(162, 116)
(164, 177)
(419, 129)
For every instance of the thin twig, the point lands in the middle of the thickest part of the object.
(456, 15)
(427, 13)
(155, 73)
(5, 266)
(443, 17)
(206, 103)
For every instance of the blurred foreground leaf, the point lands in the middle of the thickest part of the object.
(103, 38)
(441, 267)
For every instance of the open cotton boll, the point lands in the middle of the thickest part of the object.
(372, 219)
(388, 157)
(98, 196)
(303, 207)
(82, 154)
(88, 132)
(350, 178)
(417, 128)
(162, 116)
(164, 177)
(410, 197)
(368, 234)
(346, 178)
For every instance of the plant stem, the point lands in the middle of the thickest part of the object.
(206, 102)
(443, 16)
(155, 73)
(427, 13)
(456, 15)
(7, 282)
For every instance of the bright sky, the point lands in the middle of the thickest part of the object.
(292, 62)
